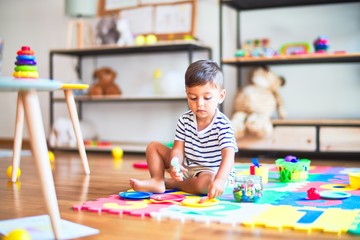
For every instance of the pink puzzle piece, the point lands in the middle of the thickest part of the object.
(115, 205)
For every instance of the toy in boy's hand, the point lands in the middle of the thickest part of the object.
(25, 64)
(175, 164)
(313, 194)
(291, 158)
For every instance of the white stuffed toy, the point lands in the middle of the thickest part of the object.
(126, 37)
(255, 104)
(63, 135)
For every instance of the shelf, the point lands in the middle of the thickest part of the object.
(124, 98)
(317, 122)
(294, 59)
(189, 47)
(168, 46)
(262, 4)
(320, 137)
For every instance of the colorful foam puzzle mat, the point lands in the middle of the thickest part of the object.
(283, 205)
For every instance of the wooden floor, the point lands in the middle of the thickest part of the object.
(108, 177)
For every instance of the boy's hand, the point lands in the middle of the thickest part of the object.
(176, 170)
(216, 189)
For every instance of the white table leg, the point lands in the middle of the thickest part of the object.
(40, 152)
(70, 101)
(19, 126)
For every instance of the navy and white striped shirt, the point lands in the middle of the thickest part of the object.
(203, 148)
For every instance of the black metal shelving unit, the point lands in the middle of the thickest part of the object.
(245, 5)
(189, 47)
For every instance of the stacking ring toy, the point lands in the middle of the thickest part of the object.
(25, 52)
(25, 62)
(26, 74)
(25, 57)
(25, 68)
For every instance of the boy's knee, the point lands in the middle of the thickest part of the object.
(152, 146)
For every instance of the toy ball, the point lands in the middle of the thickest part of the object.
(140, 40)
(9, 172)
(18, 234)
(117, 152)
(51, 156)
(188, 37)
(151, 39)
(313, 194)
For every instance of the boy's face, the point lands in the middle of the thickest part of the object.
(203, 100)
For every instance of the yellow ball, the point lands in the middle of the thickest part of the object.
(151, 39)
(140, 40)
(9, 172)
(18, 234)
(51, 156)
(117, 152)
(188, 37)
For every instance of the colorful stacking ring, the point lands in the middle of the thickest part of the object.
(25, 57)
(25, 52)
(25, 68)
(25, 62)
(26, 74)
(25, 65)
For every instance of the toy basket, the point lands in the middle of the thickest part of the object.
(354, 180)
(293, 171)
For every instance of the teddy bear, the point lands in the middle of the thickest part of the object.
(104, 83)
(255, 104)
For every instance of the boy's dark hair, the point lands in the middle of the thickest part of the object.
(203, 72)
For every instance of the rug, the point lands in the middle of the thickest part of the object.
(39, 227)
(283, 205)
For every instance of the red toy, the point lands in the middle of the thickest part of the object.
(313, 194)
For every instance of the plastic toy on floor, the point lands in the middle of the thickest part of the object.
(9, 172)
(292, 169)
(117, 152)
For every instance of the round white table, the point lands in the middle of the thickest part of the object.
(28, 106)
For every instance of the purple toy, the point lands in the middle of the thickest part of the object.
(291, 158)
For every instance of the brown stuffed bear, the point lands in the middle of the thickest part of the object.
(255, 104)
(105, 83)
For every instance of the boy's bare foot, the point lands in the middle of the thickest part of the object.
(150, 185)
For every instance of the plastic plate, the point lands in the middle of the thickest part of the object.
(167, 197)
(334, 195)
(194, 202)
(135, 195)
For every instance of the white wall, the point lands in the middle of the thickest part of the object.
(312, 91)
